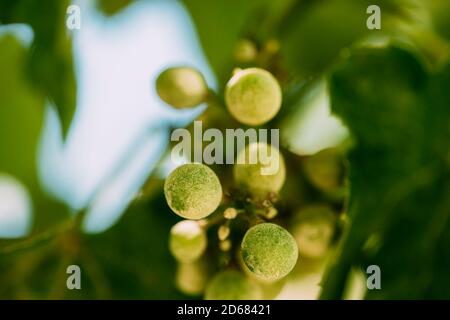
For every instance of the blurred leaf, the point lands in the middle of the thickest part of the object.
(399, 172)
(50, 62)
(314, 32)
(440, 16)
(21, 119)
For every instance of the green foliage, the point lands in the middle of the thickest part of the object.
(385, 202)
(21, 119)
(399, 172)
(49, 61)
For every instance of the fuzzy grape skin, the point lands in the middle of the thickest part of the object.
(187, 241)
(182, 87)
(253, 96)
(232, 285)
(193, 191)
(269, 251)
(249, 175)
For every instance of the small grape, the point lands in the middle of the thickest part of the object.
(250, 175)
(232, 285)
(230, 213)
(187, 241)
(225, 245)
(245, 51)
(193, 191)
(325, 169)
(223, 232)
(253, 96)
(191, 278)
(269, 251)
(313, 229)
(182, 87)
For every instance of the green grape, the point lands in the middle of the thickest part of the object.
(251, 177)
(325, 170)
(187, 241)
(313, 229)
(193, 191)
(232, 285)
(253, 96)
(269, 251)
(191, 278)
(270, 289)
(182, 87)
(245, 51)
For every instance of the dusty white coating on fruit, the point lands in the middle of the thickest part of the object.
(269, 251)
(232, 285)
(193, 191)
(182, 87)
(253, 96)
(250, 177)
(187, 241)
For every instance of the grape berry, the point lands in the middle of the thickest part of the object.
(252, 265)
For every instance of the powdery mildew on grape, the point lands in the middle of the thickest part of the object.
(269, 251)
(193, 191)
(253, 96)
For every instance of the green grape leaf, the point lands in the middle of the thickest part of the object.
(399, 171)
(49, 62)
(314, 33)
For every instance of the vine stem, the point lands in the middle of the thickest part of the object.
(75, 223)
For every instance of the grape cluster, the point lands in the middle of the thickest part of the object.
(230, 246)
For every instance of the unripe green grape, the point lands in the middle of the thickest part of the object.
(193, 191)
(251, 177)
(182, 87)
(313, 228)
(325, 169)
(253, 96)
(269, 251)
(187, 241)
(270, 289)
(245, 51)
(191, 278)
(232, 285)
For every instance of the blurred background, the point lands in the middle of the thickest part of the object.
(84, 138)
